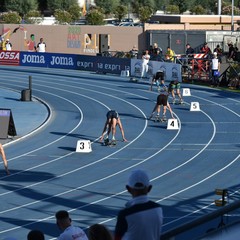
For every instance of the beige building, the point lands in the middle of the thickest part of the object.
(195, 22)
(90, 40)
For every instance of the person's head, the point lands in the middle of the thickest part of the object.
(7, 40)
(41, 39)
(35, 235)
(99, 232)
(188, 45)
(62, 219)
(215, 54)
(138, 183)
(32, 36)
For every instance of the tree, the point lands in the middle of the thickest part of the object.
(11, 17)
(137, 4)
(75, 12)
(227, 10)
(161, 5)
(182, 5)
(60, 4)
(145, 13)
(198, 10)
(108, 6)
(62, 16)
(95, 17)
(22, 7)
(42, 5)
(33, 17)
(120, 12)
(173, 9)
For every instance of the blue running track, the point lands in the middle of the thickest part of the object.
(186, 164)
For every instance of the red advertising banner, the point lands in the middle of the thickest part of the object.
(10, 58)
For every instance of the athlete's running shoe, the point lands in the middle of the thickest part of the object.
(150, 117)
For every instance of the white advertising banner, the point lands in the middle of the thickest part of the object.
(172, 71)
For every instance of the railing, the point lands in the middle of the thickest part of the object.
(171, 234)
(195, 67)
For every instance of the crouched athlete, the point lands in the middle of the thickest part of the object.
(113, 120)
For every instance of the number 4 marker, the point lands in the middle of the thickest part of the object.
(172, 124)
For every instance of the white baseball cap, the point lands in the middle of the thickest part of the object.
(138, 179)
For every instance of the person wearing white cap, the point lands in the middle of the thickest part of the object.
(142, 218)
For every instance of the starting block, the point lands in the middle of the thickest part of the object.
(186, 92)
(172, 124)
(194, 106)
(84, 146)
(125, 73)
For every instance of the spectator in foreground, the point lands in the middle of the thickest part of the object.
(99, 232)
(35, 235)
(142, 218)
(70, 232)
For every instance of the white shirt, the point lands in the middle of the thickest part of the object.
(73, 233)
(145, 59)
(41, 47)
(8, 46)
(215, 64)
(140, 220)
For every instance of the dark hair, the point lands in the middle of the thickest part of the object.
(35, 235)
(62, 214)
(99, 232)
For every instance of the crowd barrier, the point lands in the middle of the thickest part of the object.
(97, 64)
